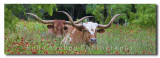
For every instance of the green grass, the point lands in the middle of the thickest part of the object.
(31, 38)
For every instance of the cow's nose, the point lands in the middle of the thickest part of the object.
(93, 39)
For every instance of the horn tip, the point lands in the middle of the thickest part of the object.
(90, 16)
(60, 11)
(121, 14)
(28, 13)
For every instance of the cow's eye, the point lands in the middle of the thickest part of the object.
(65, 28)
(85, 30)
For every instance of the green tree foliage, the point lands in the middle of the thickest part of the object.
(146, 15)
(10, 18)
(122, 9)
(36, 8)
(12, 11)
(112, 9)
(139, 14)
(96, 10)
(40, 9)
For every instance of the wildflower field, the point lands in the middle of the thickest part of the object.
(31, 38)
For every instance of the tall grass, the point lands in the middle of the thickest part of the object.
(31, 39)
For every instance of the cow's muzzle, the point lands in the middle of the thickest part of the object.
(93, 40)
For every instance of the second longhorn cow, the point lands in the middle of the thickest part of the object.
(57, 27)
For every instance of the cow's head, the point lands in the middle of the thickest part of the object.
(90, 29)
(57, 26)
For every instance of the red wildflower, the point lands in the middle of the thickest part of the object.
(91, 43)
(8, 50)
(58, 48)
(149, 52)
(46, 52)
(117, 25)
(117, 51)
(5, 38)
(70, 42)
(18, 53)
(143, 51)
(72, 49)
(120, 30)
(24, 53)
(17, 48)
(97, 48)
(62, 52)
(12, 52)
(116, 28)
(19, 44)
(84, 50)
(42, 39)
(34, 52)
(26, 45)
(22, 38)
(75, 52)
(128, 50)
(108, 48)
(52, 44)
(24, 48)
(31, 49)
(108, 52)
(123, 49)
(54, 40)
(153, 44)
(41, 48)
(128, 29)
(85, 53)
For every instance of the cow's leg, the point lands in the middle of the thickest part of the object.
(65, 38)
(87, 45)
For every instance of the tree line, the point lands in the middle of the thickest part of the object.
(138, 14)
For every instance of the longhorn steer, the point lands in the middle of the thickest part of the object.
(86, 32)
(57, 27)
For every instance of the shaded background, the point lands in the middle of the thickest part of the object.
(137, 14)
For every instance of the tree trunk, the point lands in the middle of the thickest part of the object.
(105, 13)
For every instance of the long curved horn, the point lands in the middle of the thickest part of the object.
(71, 20)
(80, 20)
(76, 22)
(39, 19)
(110, 23)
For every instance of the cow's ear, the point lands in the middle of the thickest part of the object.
(50, 26)
(100, 30)
(65, 27)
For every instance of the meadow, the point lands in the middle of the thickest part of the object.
(31, 38)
